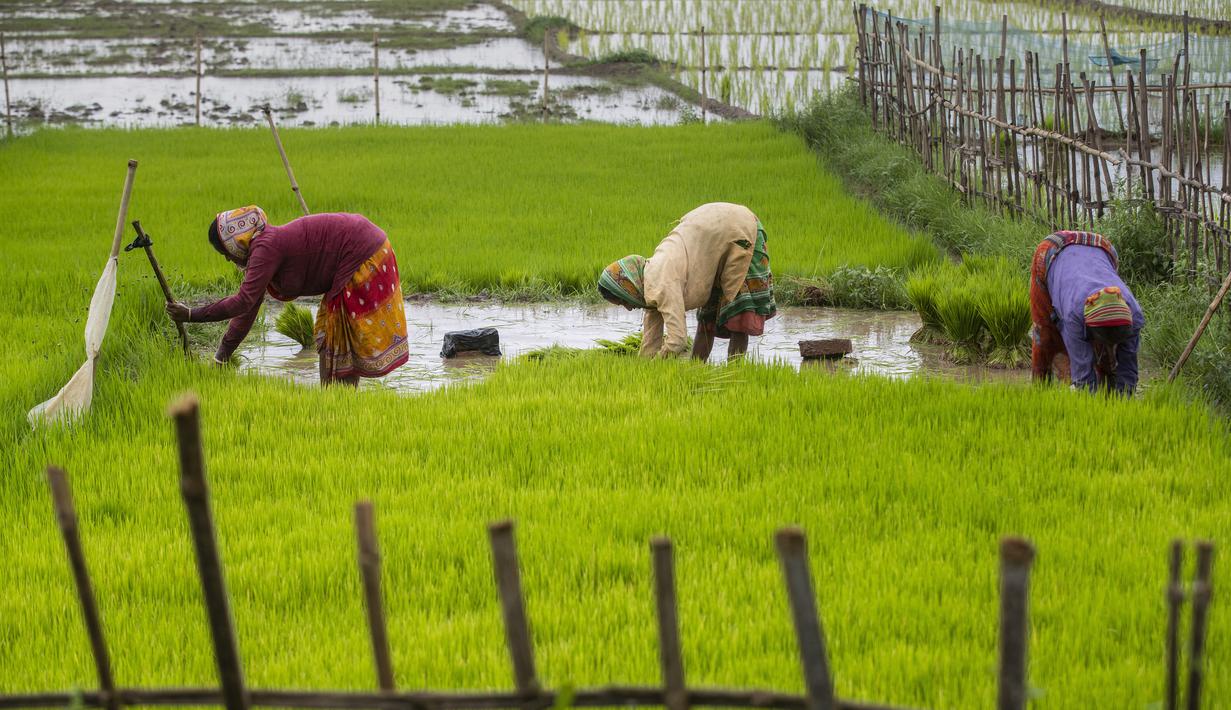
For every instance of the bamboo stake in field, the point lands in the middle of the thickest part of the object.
(269, 117)
(1205, 321)
(198, 78)
(810, 637)
(376, 72)
(1016, 558)
(66, 516)
(704, 86)
(195, 490)
(4, 67)
(1175, 599)
(671, 658)
(369, 568)
(546, 72)
(513, 607)
(1201, 604)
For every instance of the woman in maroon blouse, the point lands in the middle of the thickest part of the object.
(361, 323)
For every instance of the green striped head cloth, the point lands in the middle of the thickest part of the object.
(625, 279)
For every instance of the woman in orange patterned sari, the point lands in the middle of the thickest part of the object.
(344, 258)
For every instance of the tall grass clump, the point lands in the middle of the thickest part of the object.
(297, 323)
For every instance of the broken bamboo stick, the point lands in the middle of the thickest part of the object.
(290, 174)
(369, 570)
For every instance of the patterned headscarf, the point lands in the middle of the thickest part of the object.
(237, 227)
(1107, 307)
(625, 279)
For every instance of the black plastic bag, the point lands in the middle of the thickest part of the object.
(484, 340)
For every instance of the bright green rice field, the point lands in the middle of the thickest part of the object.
(903, 487)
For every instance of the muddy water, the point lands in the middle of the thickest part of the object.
(881, 341)
(265, 54)
(314, 101)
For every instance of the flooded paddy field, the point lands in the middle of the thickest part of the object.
(445, 61)
(881, 341)
(336, 100)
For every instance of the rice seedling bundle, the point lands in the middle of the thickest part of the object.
(921, 289)
(958, 310)
(1005, 312)
(297, 323)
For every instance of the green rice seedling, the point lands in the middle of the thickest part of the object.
(1005, 312)
(298, 324)
(958, 310)
(628, 345)
(922, 289)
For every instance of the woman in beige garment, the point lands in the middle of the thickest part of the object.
(716, 261)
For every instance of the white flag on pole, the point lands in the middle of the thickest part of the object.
(74, 397)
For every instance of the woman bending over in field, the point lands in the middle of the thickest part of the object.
(1080, 307)
(361, 323)
(716, 261)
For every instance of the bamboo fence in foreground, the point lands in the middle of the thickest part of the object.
(1027, 139)
(233, 693)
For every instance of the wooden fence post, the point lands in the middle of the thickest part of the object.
(195, 491)
(546, 71)
(376, 72)
(369, 569)
(513, 607)
(269, 117)
(704, 86)
(4, 67)
(813, 655)
(1016, 557)
(198, 78)
(1175, 599)
(66, 516)
(671, 658)
(1201, 604)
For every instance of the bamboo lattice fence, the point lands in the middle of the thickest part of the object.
(1027, 139)
(233, 693)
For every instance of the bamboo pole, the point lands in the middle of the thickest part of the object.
(618, 696)
(66, 516)
(1175, 600)
(704, 84)
(1201, 604)
(269, 117)
(1016, 558)
(8, 108)
(1205, 321)
(513, 608)
(546, 73)
(671, 658)
(195, 491)
(376, 73)
(1111, 72)
(813, 655)
(197, 77)
(369, 570)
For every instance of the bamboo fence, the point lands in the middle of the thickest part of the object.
(233, 693)
(1026, 139)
